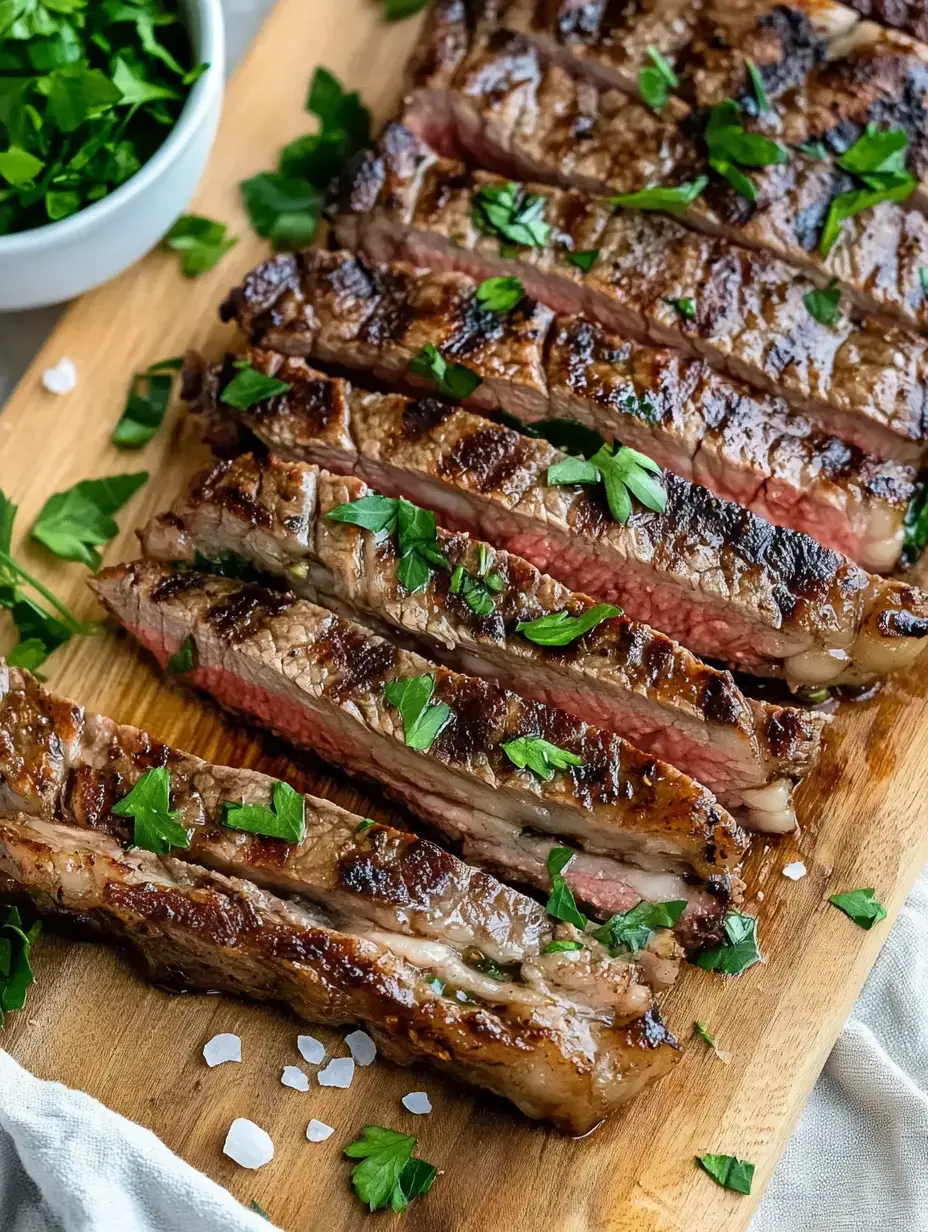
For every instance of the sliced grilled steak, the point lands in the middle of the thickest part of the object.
(865, 382)
(65, 765)
(210, 931)
(623, 676)
(746, 447)
(705, 572)
(511, 114)
(910, 16)
(318, 680)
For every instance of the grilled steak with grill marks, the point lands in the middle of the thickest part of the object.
(621, 675)
(64, 765)
(206, 930)
(865, 382)
(318, 680)
(706, 572)
(746, 447)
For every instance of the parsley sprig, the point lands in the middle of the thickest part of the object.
(728, 1171)
(560, 628)
(624, 472)
(540, 756)
(477, 589)
(452, 380)
(156, 826)
(500, 294)
(860, 906)
(73, 524)
(250, 386)
(286, 820)
(422, 721)
(671, 199)
(389, 1174)
(656, 80)
(512, 214)
(416, 533)
(731, 147)
(201, 242)
(16, 975)
(877, 160)
(147, 404)
(738, 949)
(561, 903)
(633, 930)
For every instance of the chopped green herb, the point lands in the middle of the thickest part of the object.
(560, 628)
(656, 80)
(451, 380)
(737, 951)
(184, 659)
(533, 753)
(388, 1175)
(258, 1210)
(364, 824)
(757, 85)
(286, 819)
(437, 986)
(398, 10)
(558, 947)
(632, 930)
(508, 211)
(659, 197)
(88, 93)
(813, 149)
(412, 697)
(416, 531)
(500, 294)
(876, 151)
(923, 277)
(477, 589)
(483, 963)
(624, 472)
(728, 1171)
(201, 242)
(249, 386)
(731, 147)
(564, 434)
(16, 975)
(282, 208)
(822, 303)
(703, 1032)
(916, 525)
(149, 804)
(585, 259)
(147, 404)
(228, 565)
(73, 524)
(561, 902)
(877, 159)
(684, 305)
(806, 693)
(859, 906)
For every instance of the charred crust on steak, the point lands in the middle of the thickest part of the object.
(649, 1031)
(242, 613)
(176, 584)
(260, 291)
(490, 456)
(721, 698)
(388, 867)
(362, 662)
(421, 415)
(230, 495)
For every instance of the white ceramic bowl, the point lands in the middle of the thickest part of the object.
(62, 259)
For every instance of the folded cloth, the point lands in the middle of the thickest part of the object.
(67, 1164)
(859, 1156)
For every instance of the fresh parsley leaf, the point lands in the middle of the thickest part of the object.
(286, 820)
(876, 151)
(533, 753)
(672, 200)
(481, 962)
(731, 147)
(364, 824)
(149, 804)
(558, 947)
(282, 209)
(561, 903)
(737, 951)
(399, 10)
(147, 404)
(249, 386)
(566, 434)
(422, 722)
(893, 186)
(860, 906)
(201, 242)
(228, 565)
(632, 930)
(508, 211)
(372, 512)
(822, 303)
(560, 628)
(184, 659)
(259, 1210)
(703, 1032)
(73, 524)
(416, 532)
(757, 85)
(728, 1171)
(624, 473)
(585, 259)
(685, 306)
(451, 380)
(477, 589)
(656, 80)
(389, 1174)
(916, 525)
(16, 974)
(500, 294)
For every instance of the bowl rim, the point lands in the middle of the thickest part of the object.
(210, 46)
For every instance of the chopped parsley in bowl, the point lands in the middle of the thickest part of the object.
(89, 91)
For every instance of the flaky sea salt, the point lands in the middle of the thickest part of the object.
(338, 1073)
(248, 1144)
(311, 1049)
(417, 1102)
(222, 1048)
(318, 1131)
(294, 1077)
(795, 871)
(362, 1048)
(61, 379)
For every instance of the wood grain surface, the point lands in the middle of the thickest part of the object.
(91, 1021)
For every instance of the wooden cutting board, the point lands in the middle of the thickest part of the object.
(91, 1022)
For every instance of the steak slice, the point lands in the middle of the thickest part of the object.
(318, 681)
(746, 447)
(64, 765)
(621, 675)
(510, 113)
(210, 931)
(864, 382)
(909, 16)
(705, 572)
